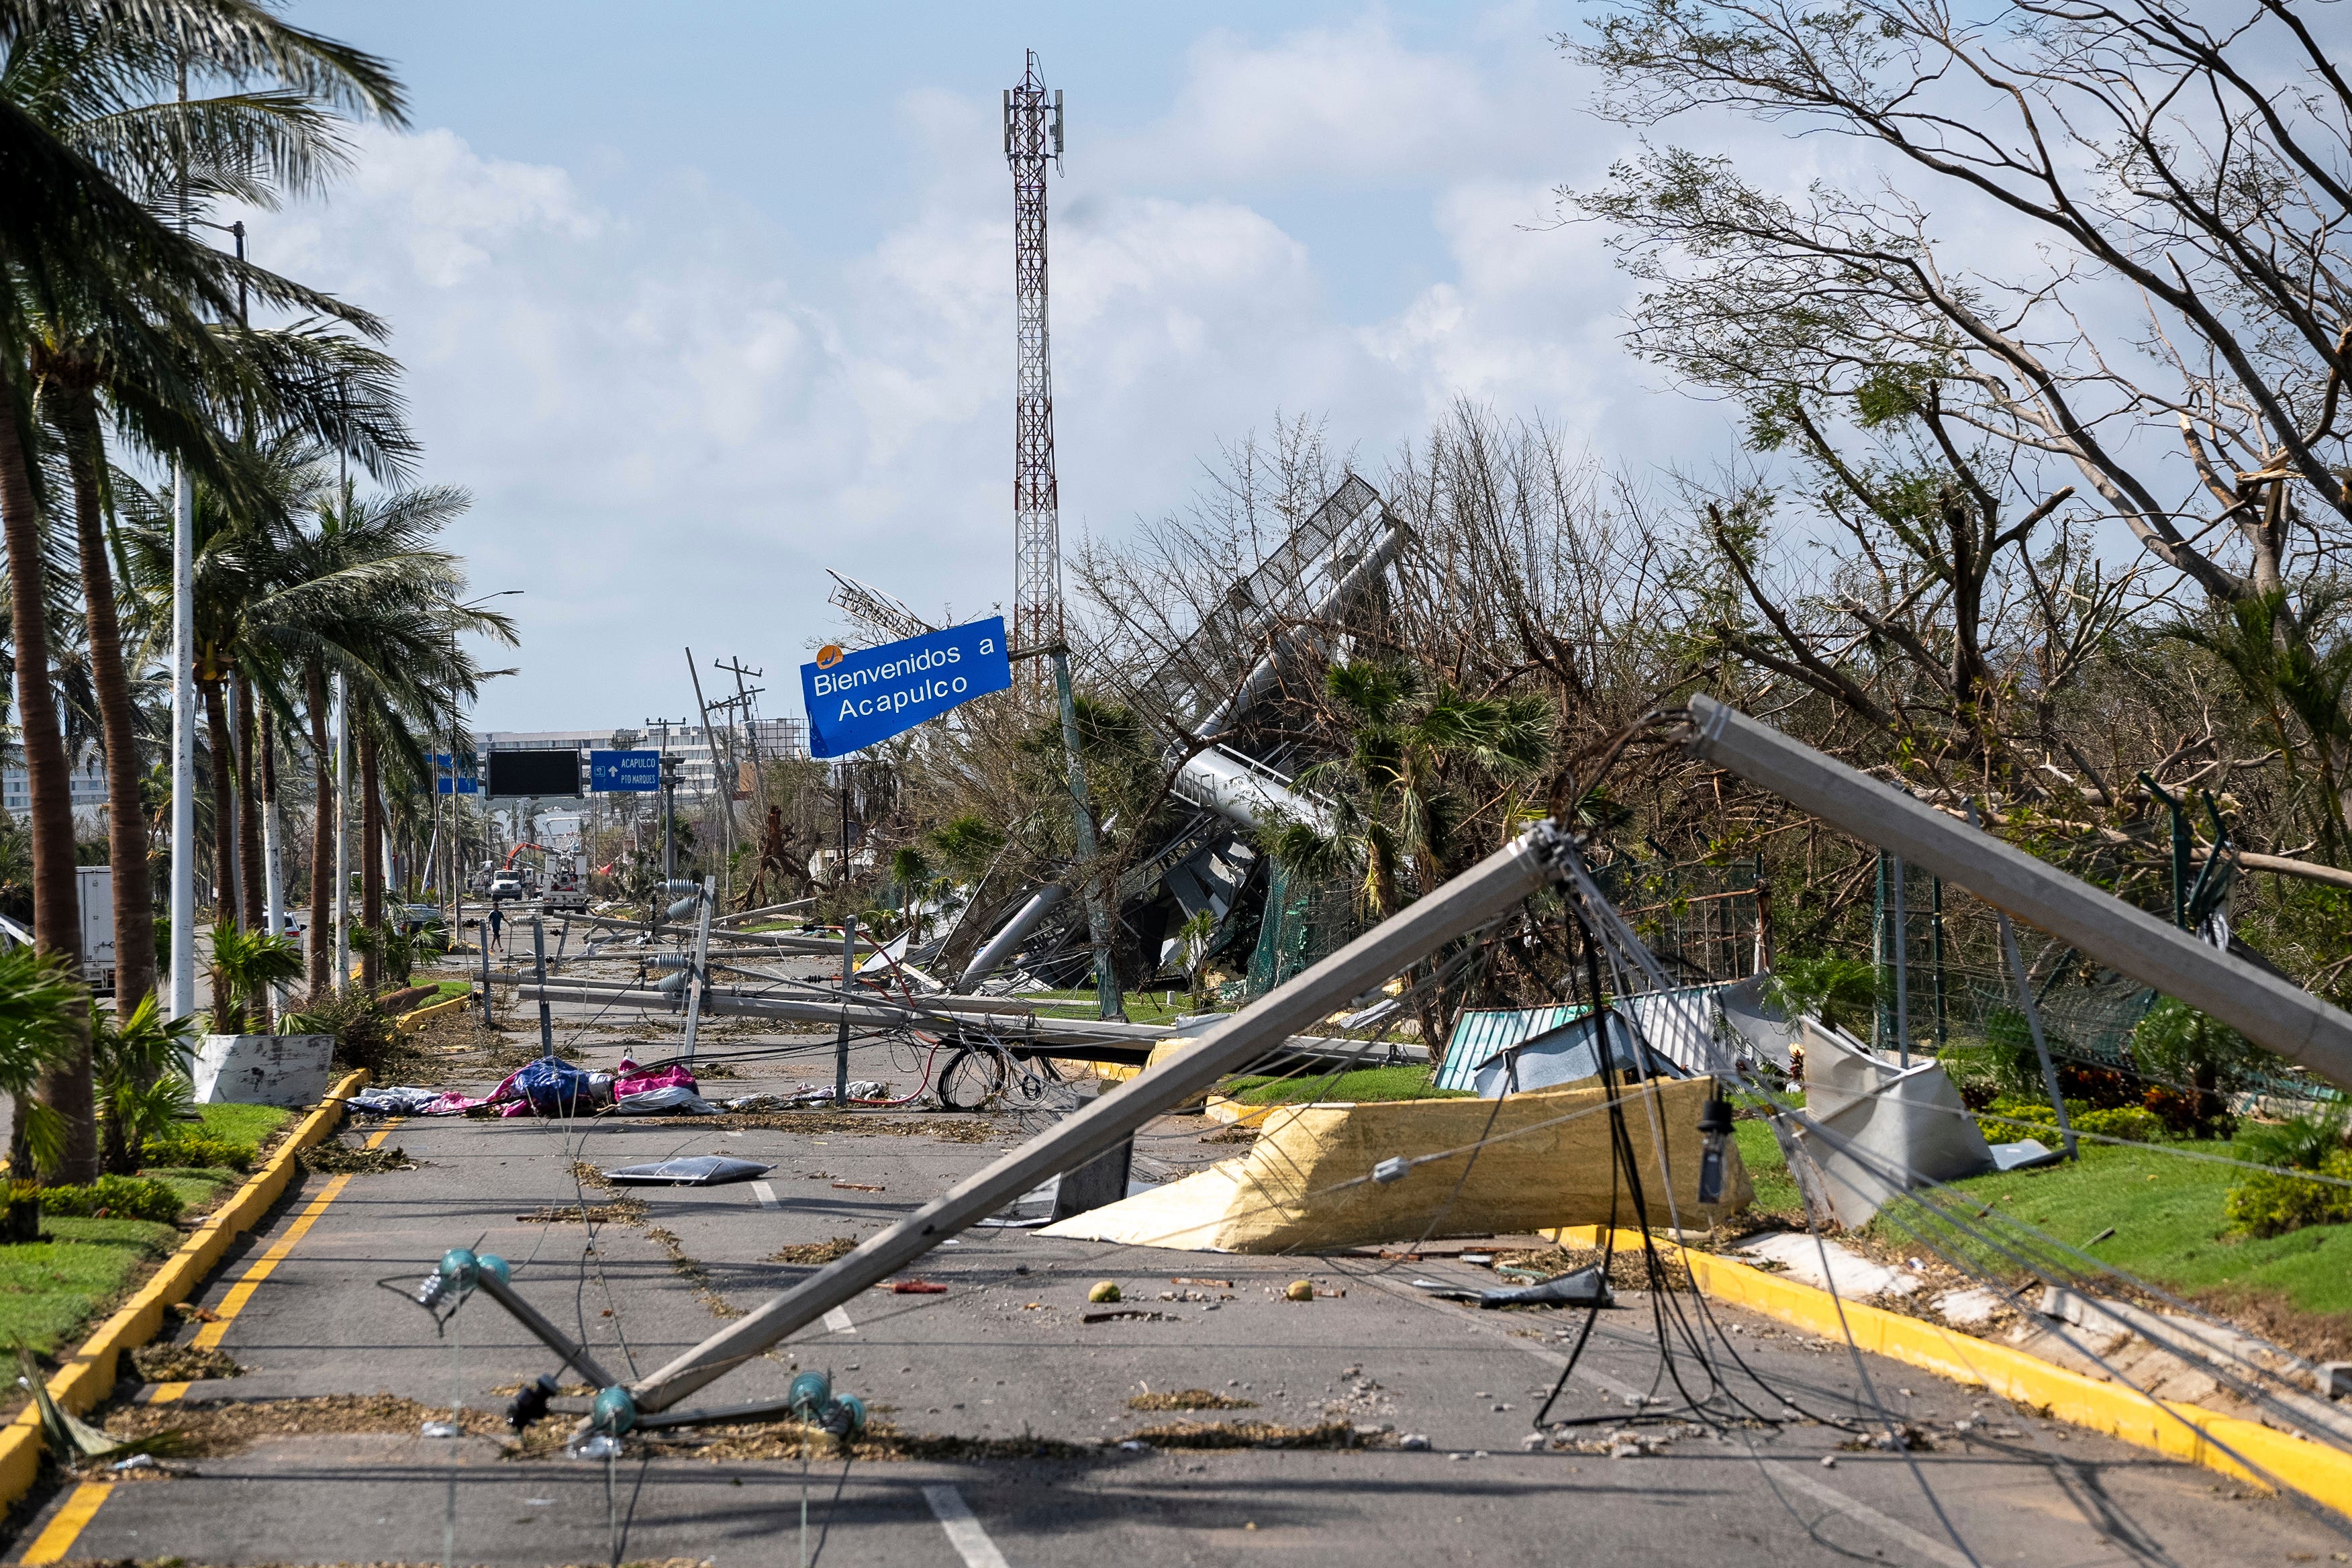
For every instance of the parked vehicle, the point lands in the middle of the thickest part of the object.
(95, 884)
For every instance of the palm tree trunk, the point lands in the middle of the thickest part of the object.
(223, 780)
(371, 858)
(248, 812)
(126, 813)
(323, 835)
(57, 915)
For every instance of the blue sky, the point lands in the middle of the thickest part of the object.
(701, 305)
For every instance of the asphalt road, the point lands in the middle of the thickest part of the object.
(1005, 1353)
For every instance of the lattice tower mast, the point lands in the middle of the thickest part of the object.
(1033, 133)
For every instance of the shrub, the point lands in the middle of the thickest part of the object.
(2201, 1061)
(363, 1036)
(2302, 1142)
(1840, 992)
(2033, 1112)
(2133, 1123)
(2269, 1203)
(197, 1150)
(117, 1197)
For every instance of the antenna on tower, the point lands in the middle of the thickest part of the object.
(874, 610)
(1033, 133)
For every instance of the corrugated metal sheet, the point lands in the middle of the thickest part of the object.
(1664, 1018)
(1480, 1032)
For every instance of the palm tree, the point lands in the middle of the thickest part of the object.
(89, 84)
(384, 614)
(141, 1062)
(74, 246)
(1414, 749)
(281, 608)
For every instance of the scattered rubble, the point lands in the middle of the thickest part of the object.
(167, 1363)
(1189, 1399)
(336, 1158)
(1258, 1435)
(814, 1252)
(620, 1211)
(212, 1430)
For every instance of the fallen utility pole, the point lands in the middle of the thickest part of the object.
(878, 1013)
(2274, 1012)
(1487, 891)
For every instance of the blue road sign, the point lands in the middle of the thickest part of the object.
(466, 784)
(861, 697)
(624, 772)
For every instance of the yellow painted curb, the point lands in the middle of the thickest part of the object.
(89, 1376)
(2179, 1431)
(1233, 1114)
(410, 1020)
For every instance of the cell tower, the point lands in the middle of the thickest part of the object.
(1033, 133)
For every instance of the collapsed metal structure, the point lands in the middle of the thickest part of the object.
(1273, 624)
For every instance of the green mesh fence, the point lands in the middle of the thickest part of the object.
(1305, 920)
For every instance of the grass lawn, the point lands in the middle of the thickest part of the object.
(1775, 1190)
(2170, 1229)
(50, 1290)
(1142, 1006)
(200, 1187)
(450, 988)
(248, 1126)
(1358, 1086)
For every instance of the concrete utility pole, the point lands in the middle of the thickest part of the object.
(183, 698)
(1484, 892)
(343, 836)
(2274, 1012)
(1098, 916)
(183, 743)
(744, 695)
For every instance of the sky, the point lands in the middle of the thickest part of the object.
(702, 302)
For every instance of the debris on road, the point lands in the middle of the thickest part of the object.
(1585, 1287)
(167, 1363)
(335, 1158)
(1189, 1399)
(1299, 1290)
(812, 1094)
(813, 1252)
(693, 1171)
(917, 1288)
(1104, 1290)
(620, 1211)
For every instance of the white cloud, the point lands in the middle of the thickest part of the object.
(675, 416)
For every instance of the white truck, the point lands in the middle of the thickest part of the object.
(94, 886)
(567, 885)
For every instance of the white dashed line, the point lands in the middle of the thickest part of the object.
(964, 1533)
(766, 1195)
(837, 1321)
(1902, 1534)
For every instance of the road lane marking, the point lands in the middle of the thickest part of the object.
(766, 1195)
(59, 1536)
(1820, 1491)
(210, 1336)
(964, 1533)
(837, 1321)
(1902, 1534)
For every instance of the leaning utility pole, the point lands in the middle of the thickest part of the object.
(1031, 122)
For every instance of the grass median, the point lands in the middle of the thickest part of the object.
(51, 1290)
(2143, 1209)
